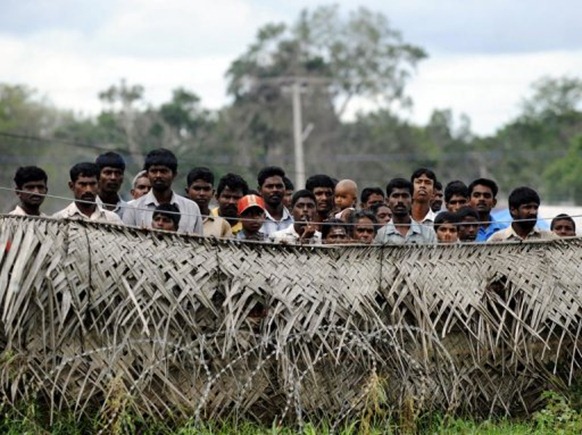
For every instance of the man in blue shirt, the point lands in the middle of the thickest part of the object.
(482, 197)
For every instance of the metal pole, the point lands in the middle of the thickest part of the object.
(298, 137)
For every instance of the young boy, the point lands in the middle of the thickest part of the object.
(166, 217)
(468, 224)
(251, 211)
(563, 225)
(445, 226)
(346, 197)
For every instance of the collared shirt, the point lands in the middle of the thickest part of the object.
(98, 215)
(215, 226)
(119, 207)
(484, 233)
(417, 234)
(271, 225)
(140, 213)
(19, 211)
(509, 235)
(429, 217)
(234, 228)
(258, 236)
(292, 237)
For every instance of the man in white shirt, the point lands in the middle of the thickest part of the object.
(162, 167)
(111, 171)
(31, 189)
(84, 185)
(304, 228)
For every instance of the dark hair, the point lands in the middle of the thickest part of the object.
(361, 214)
(445, 217)
(399, 183)
(288, 183)
(110, 159)
(161, 157)
(465, 212)
(87, 169)
(303, 193)
(484, 182)
(523, 195)
(269, 171)
(458, 188)
(233, 182)
(200, 173)
(26, 174)
(369, 191)
(562, 217)
(423, 171)
(320, 180)
(374, 209)
(169, 210)
(328, 225)
(438, 185)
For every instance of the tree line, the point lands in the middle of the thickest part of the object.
(334, 58)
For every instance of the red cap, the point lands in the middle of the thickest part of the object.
(249, 201)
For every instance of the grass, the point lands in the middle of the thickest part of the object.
(559, 416)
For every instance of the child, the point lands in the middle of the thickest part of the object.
(166, 217)
(468, 224)
(251, 211)
(563, 225)
(346, 196)
(445, 226)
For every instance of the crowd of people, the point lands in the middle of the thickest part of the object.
(325, 211)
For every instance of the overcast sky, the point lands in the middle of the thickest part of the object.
(483, 54)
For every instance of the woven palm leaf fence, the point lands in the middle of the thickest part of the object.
(114, 319)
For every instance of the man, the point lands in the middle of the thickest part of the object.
(456, 196)
(437, 197)
(402, 229)
(563, 226)
(371, 196)
(200, 189)
(423, 181)
(84, 185)
(162, 167)
(364, 226)
(482, 197)
(335, 232)
(111, 170)
(231, 188)
(323, 188)
(468, 224)
(524, 203)
(31, 189)
(140, 185)
(272, 189)
(303, 229)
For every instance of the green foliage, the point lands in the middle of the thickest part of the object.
(558, 416)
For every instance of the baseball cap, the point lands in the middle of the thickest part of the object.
(249, 201)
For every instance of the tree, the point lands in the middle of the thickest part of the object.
(553, 97)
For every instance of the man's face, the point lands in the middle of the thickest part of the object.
(468, 229)
(84, 188)
(400, 202)
(527, 214)
(161, 177)
(33, 193)
(337, 235)
(110, 179)
(227, 201)
(482, 199)
(437, 201)
(273, 190)
(456, 203)
(364, 231)
(423, 188)
(201, 192)
(373, 199)
(304, 210)
(323, 199)
(383, 214)
(142, 187)
(163, 222)
(564, 228)
(447, 233)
